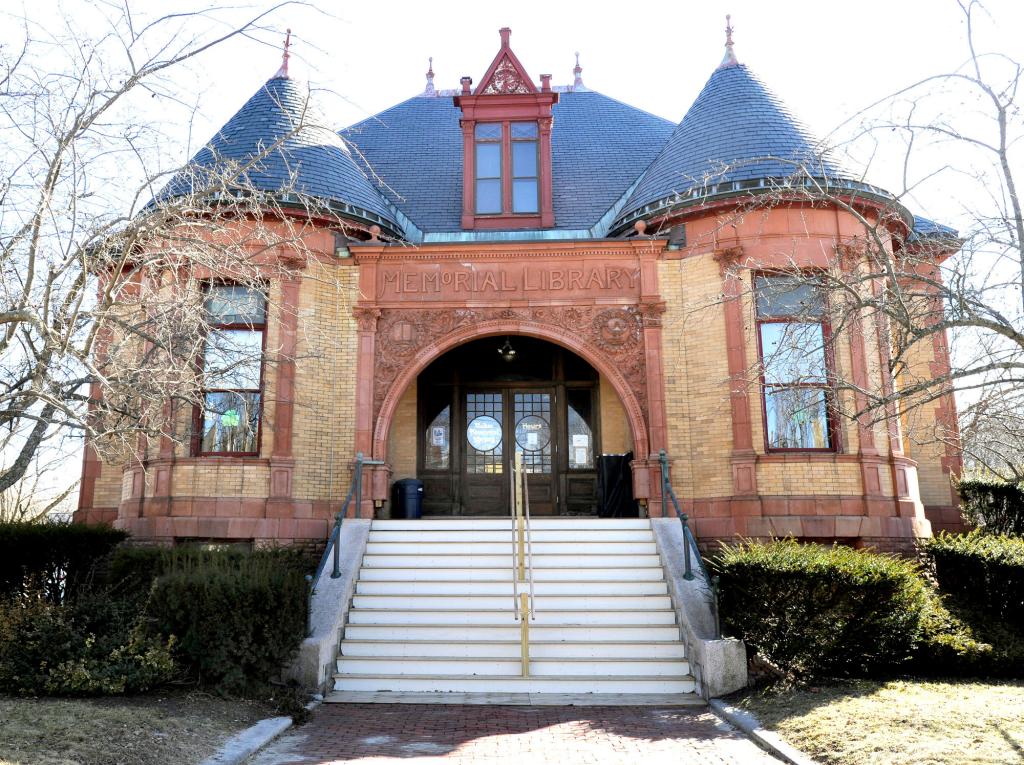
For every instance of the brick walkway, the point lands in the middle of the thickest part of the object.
(464, 735)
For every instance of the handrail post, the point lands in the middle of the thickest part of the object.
(663, 459)
(520, 521)
(687, 565)
(340, 518)
(524, 634)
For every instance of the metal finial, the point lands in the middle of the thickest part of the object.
(430, 90)
(729, 59)
(577, 71)
(282, 73)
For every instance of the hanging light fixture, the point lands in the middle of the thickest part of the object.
(507, 352)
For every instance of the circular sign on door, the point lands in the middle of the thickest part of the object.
(533, 433)
(484, 433)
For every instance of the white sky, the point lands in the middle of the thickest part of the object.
(825, 59)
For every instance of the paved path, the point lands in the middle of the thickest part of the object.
(417, 734)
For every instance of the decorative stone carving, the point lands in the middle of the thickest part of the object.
(613, 334)
(366, 318)
(651, 313)
(506, 80)
(617, 328)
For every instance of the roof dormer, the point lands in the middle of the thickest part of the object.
(506, 131)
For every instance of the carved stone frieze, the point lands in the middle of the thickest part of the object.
(613, 335)
(506, 80)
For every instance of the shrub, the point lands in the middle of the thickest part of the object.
(965, 643)
(815, 611)
(94, 645)
(51, 560)
(982, 572)
(994, 506)
(237, 617)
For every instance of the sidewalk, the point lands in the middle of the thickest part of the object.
(421, 734)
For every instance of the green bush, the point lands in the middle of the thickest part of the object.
(51, 560)
(814, 611)
(93, 645)
(965, 643)
(237, 617)
(993, 506)
(982, 572)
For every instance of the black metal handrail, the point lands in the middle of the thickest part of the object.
(333, 549)
(689, 541)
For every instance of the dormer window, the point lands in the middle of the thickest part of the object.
(525, 167)
(506, 125)
(500, 192)
(488, 168)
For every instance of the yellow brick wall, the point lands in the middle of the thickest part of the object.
(403, 439)
(325, 383)
(616, 436)
(920, 439)
(696, 377)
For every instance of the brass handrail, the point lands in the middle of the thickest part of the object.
(522, 559)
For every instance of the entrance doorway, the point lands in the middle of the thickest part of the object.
(485, 400)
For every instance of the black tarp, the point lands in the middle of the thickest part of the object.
(615, 487)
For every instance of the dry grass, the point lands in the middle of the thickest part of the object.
(900, 723)
(165, 729)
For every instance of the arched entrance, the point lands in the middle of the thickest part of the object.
(480, 402)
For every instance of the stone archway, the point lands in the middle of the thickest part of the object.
(611, 338)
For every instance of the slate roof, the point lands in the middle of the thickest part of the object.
(599, 147)
(311, 160)
(736, 130)
(929, 229)
(403, 167)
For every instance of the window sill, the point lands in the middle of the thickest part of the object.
(807, 455)
(505, 221)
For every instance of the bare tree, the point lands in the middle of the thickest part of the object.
(104, 322)
(958, 132)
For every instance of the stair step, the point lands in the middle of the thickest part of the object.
(539, 649)
(417, 588)
(491, 524)
(457, 616)
(427, 536)
(510, 667)
(544, 603)
(540, 561)
(582, 547)
(390, 630)
(502, 684)
(504, 574)
(518, 698)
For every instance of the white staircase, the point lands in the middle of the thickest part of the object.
(433, 612)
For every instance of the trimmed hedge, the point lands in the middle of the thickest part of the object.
(237, 617)
(813, 611)
(982, 572)
(54, 561)
(94, 644)
(994, 506)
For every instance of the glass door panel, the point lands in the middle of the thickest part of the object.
(532, 418)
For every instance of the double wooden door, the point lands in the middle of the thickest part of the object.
(497, 423)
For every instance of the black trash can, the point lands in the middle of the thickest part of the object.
(615, 487)
(407, 498)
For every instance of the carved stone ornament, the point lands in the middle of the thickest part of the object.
(612, 334)
(505, 80)
(366, 318)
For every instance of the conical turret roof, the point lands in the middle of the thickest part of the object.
(737, 136)
(283, 147)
